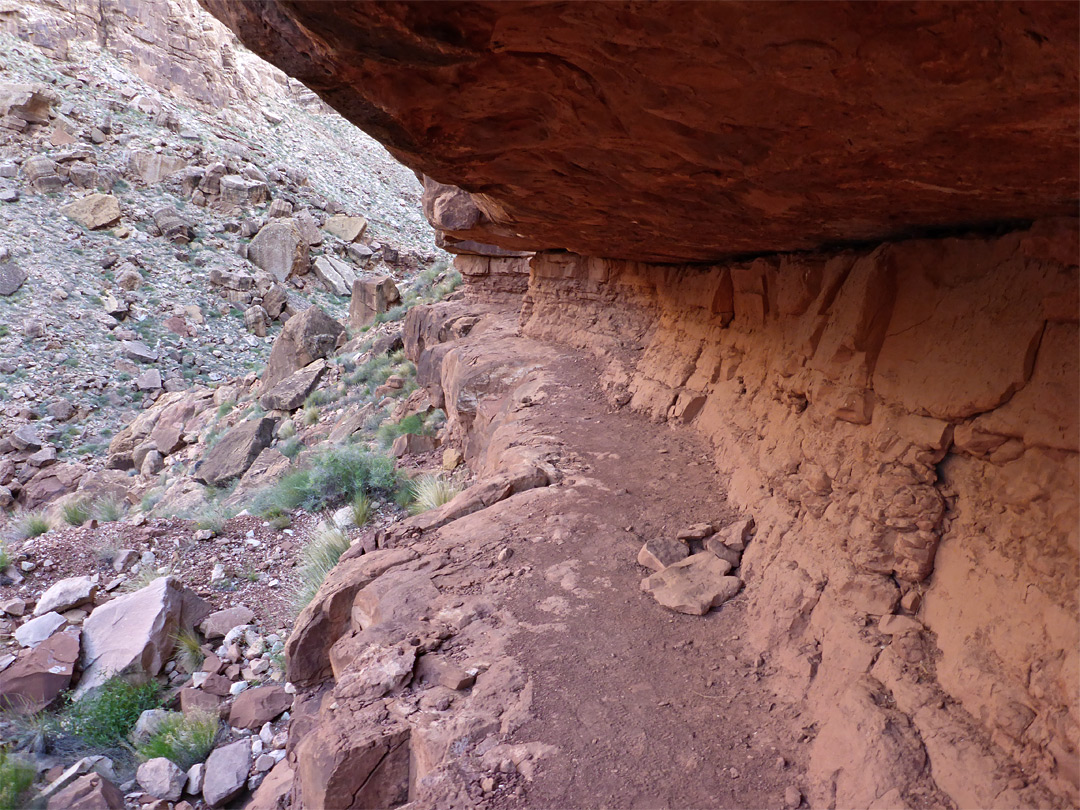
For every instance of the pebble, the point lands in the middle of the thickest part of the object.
(792, 797)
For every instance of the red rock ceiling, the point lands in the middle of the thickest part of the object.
(695, 131)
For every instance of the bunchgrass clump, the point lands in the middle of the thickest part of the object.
(5, 555)
(31, 524)
(188, 650)
(184, 739)
(431, 492)
(75, 512)
(388, 431)
(318, 556)
(361, 509)
(106, 716)
(16, 777)
(108, 509)
(212, 518)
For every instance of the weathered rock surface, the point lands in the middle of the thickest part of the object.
(279, 249)
(132, 633)
(306, 338)
(35, 631)
(659, 553)
(89, 792)
(36, 679)
(290, 393)
(254, 707)
(65, 594)
(220, 622)
(161, 779)
(234, 453)
(369, 298)
(658, 147)
(93, 211)
(226, 772)
(695, 585)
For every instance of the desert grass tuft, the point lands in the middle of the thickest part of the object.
(430, 492)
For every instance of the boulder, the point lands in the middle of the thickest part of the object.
(714, 546)
(90, 792)
(138, 351)
(280, 249)
(694, 585)
(93, 211)
(149, 380)
(290, 393)
(11, 277)
(31, 103)
(152, 167)
(338, 276)
(35, 631)
(173, 226)
(162, 779)
(226, 772)
(659, 553)
(274, 790)
(736, 535)
(304, 339)
(220, 622)
(412, 444)
(371, 297)
(346, 228)
(132, 634)
(148, 724)
(195, 778)
(25, 438)
(36, 679)
(254, 707)
(234, 453)
(256, 320)
(51, 482)
(66, 594)
(237, 190)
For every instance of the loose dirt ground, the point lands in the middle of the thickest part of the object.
(648, 708)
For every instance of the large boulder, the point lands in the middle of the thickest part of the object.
(303, 340)
(34, 681)
(93, 211)
(290, 393)
(371, 297)
(226, 772)
(133, 634)
(66, 594)
(280, 249)
(152, 167)
(51, 482)
(31, 103)
(234, 453)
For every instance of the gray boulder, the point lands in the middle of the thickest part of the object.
(234, 453)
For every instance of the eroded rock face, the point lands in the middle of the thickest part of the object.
(676, 131)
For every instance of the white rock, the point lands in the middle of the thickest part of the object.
(237, 688)
(66, 594)
(195, 779)
(37, 630)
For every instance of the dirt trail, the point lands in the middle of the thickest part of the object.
(649, 708)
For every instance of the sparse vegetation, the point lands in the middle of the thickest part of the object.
(226, 407)
(318, 556)
(430, 492)
(16, 777)
(76, 512)
(388, 431)
(185, 739)
(189, 653)
(212, 518)
(5, 555)
(108, 509)
(31, 524)
(311, 414)
(106, 716)
(335, 476)
(361, 509)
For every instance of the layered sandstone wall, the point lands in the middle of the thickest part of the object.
(902, 424)
(173, 45)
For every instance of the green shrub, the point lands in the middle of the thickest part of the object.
(431, 492)
(16, 777)
(226, 407)
(318, 556)
(388, 431)
(185, 739)
(5, 555)
(31, 524)
(106, 716)
(76, 512)
(291, 447)
(335, 476)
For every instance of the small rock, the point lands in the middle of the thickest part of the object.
(792, 797)
(699, 531)
(66, 594)
(195, 779)
(161, 779)
(659, 553)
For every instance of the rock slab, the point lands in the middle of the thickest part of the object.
(695, 585)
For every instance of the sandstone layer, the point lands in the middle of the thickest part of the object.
(694, 131)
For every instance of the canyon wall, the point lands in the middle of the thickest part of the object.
(901, 422)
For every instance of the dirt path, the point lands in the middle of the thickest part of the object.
(649, 708)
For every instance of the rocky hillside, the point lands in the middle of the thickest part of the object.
(128, 217)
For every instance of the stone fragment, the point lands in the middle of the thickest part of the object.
(375, 671)
(304, 339)
(256, 320)
(132, 634)
(699, 531)
(217, 685)
(148, 724)
(911, 601)
(895, 625)
(237, 190)
(725, 553)
(435, 671)
(194, 783)
(35, 680)
(13, 607)
(234, 453)
(149, 380)
(35, 631)
(220, 622)
(31, 103)
(162, 779)
(338, 276)
(792, 797)
(290, 393)
(90, 792)
(173, 226)
(25, 438)
(129, 279)
(93, 211)
(346, 228)
(138, 351)
(198, 700)
(65, 594)
(694, 585)
(153, 167)
(412, 444)
(370, 297)
(226, 772)
(451, 459)
(43, 457)
(280, 249)
(659, 553)
(736, 535)
(255, 707)
(11, 277)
